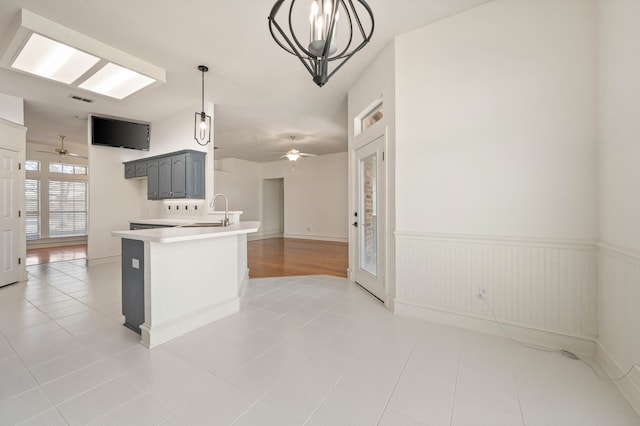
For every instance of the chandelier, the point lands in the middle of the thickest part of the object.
(337, 30)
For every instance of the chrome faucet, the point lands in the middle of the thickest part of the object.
(212, 204)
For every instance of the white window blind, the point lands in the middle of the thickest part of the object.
(32, 202)
(67, 208)
(32, 166)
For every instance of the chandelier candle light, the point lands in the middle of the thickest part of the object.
(326, 17)
(202, 125)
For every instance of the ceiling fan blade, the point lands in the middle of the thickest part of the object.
(71, 154)
(49, 152)
(304, 154)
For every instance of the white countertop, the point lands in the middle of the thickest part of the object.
(170, 235)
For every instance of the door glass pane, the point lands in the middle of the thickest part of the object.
(368, 215)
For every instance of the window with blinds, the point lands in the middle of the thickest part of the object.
(67, 208)
(67, 169)
(32, 202)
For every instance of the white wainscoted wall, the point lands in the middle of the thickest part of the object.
(619, 199)
(545, 289)
(496, 181)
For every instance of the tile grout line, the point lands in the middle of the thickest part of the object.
(455, 386)
(339, 379)
(395, 385)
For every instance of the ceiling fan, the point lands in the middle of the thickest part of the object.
(293, 154)
(62, 152)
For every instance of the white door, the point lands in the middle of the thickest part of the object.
(9, 217)
(369, 217)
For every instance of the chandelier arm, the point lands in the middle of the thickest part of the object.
(346, 48)
(292, 46)
(293, 33)
(293, 50)
(365, 37)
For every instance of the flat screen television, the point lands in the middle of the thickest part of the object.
(119, 133)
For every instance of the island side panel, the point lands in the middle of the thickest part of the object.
(188, 284)
(133, 283)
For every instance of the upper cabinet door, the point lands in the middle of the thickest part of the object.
(152, 183)
(164, 177)
(178, 176)
(195, 175)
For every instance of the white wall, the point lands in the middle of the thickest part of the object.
(619, 206)
(496, 165)
(315, 196)
(240, 181)
(113, 200)
(12, 109)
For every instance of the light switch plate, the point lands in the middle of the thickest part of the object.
(135, 263)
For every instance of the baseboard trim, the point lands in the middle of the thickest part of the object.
(578, 344)
(157, 334)
(630, 386)
(103, 260)
(318, 238)
(264, 236)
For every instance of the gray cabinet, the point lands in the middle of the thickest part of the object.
(164, 178)
(152, 180)
(134, 169)
(141, 168)
(129, 170)
(175, 175)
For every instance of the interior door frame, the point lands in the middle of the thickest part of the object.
(382, 210)
(13, 138)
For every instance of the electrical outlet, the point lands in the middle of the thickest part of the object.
(482, 293)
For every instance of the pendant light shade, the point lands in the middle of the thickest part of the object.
(336, 29)
(202, 123)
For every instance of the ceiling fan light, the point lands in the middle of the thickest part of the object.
(292, 156)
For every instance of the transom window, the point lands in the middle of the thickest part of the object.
(32, 166)
(67, 169)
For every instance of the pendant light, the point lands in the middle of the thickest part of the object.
(328, 19)
(202, 124)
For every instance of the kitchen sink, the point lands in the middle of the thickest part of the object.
(201, 225)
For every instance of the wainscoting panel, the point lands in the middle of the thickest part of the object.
(619, 316)
(546, 285)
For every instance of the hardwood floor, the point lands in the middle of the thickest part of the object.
(56, 254)
(282, 257)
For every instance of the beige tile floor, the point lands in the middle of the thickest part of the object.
(302, 350)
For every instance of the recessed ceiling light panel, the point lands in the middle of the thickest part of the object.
(116, 81)
(50, 59)
(41, 47)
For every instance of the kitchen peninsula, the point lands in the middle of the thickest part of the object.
(177, 279)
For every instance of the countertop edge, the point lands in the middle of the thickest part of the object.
(176, 234)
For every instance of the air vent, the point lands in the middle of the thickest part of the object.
(80, 98)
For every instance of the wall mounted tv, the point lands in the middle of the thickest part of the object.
(119, 133)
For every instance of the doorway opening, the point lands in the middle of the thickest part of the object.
(273, 208)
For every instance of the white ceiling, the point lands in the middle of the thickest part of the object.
(261, 93)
